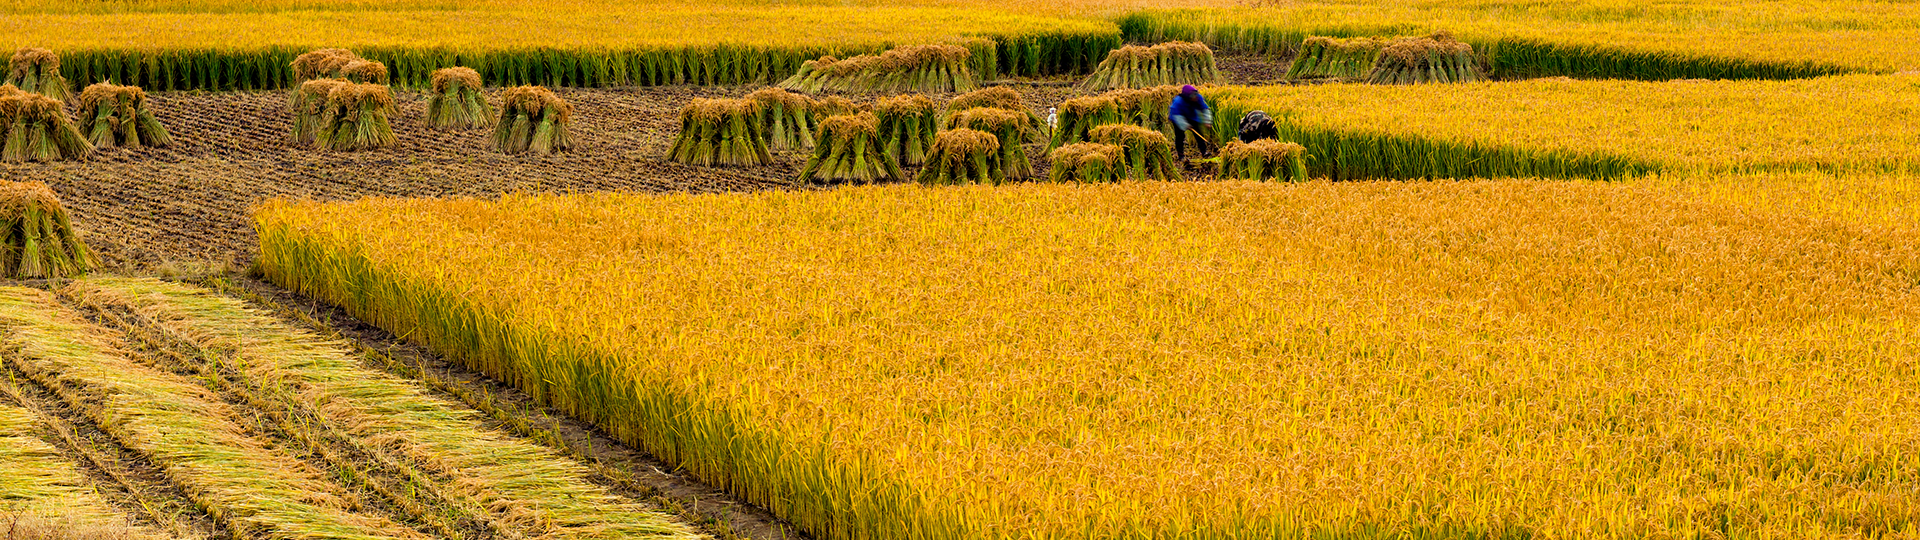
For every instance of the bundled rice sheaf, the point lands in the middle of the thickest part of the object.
(309, 106)
(1147, 107)
(722, 132)
(922, 68)
(907, 127)
(117, 116)
(1433, 59)
(1144, 107)
(1147, 154)
(1326, 57)
(785, 118)
(1264, 159)
(1175, 63)
(36, 237)
(321, 64)
(849, 149)
(34, 127)
(533, 120)
(1003, 98)
(1087, 162)
(37, 71)
(364, 72)
(1009, 128)
(963, 156)
(457, 102)
(356, 117)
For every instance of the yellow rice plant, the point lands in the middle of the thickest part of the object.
(117, 116)
(1417, 360)
(1329, 57)
(37, 71)
(1087, 162)
(37, 239)
(1264, 159)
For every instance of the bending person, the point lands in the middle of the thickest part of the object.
(1189, 112)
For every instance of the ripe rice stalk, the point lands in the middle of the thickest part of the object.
(117, 116)
(34, 127)
(1438, 58)
(830, 106)
(355, 117)
(1087, 163)
(37, 71)
(921, 68)
(1147, 107)
(37, 239)
(721, 133)
(1329, 57)
(963, 156)
(908, 125)
(457, 102)
(1078, 117)
(533, 120)
(1175, 63)
(850, 150)
(1010, 128)
(1001, 97)
(1147, 154)
(784, 118)
(1264, 159)
(364, 72)
(320, 64)
(309, 104)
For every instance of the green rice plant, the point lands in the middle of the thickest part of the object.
(1004, 98)
(721, 133)
(907, 127)
(850, 150)
(1009, 128)
(922, 68)
(355, 117)
(1264, 159)
(117, 116)
(37, 239)
(34, 127)
(1078, 116)
(1147, 154)
(309, 105)
(1174, 63)
(1433, 59)
(457, 102)
(1330, 57)
(1087, 163)
(37, 71)
(784, 118)
(533, 120)
(963, 156)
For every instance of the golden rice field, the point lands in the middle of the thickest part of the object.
(1546, 359)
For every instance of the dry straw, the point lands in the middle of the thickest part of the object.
(37, 71)
(850, 150)
(533, 120)
(922, 68)
(784, 118)
(117, 116)
(1326, 57)
(1147, 153)
(720, 133)
(457, 102)
(36, 237)
(1433, 59)
(963, 156)
(356, 117)
(309, 106)
(1087, 162)
(1134, 66)
(1001, 97)
(34, 127)
(364, 72)
(1010, 128)
(1265, 159)
(908, 125)
(316, 65)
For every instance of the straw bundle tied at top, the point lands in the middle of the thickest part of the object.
(1134, 66)
(1332, 57)
(1010, 130)
(533, 120)
(1087, 162)
(849, 149)
(37, 71)
(321, 62)
(923, 68)
(963, 156)
(117, 116)
(908, 125)
(37, 239)
(784, 118)
(720, 132)
(34, 127)
(356, 117)
(453, 78)
(365, 71)
(1148, 155)
(1000, 97)
(1263, 159)
(457, 101)
(1437, 58)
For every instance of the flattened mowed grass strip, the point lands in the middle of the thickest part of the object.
(178, 425)
(38, 482)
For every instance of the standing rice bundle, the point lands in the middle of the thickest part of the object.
(34, 127)
(457, 102)
(364, 72)
(117, 116)
(963, 156)
(784, 118)
(533, 120)
(907, 127)
(36, 237)
(1147, 154)
(355, 117)
(1175, 63)
(321, 64)
(849, 150)
(1078, 116)
(1003, 98)
(1433, 59)
(1010, 128)
(1264, 159)
(831, 106)
(721, 132)
(1087, 163)
(309, 106)
(37, 71)
(1320, 56)
(1147, 107)
(922, 68)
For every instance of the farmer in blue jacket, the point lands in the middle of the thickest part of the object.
(1189, 112)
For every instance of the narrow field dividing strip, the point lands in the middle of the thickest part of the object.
(178, 425)
(39, 482)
